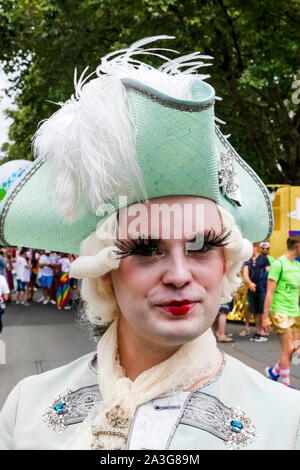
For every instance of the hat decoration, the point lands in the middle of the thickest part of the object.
(227, 177)
(133, 131)
(91, 140)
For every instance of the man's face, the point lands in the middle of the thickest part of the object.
(153, 280)
(264, 249)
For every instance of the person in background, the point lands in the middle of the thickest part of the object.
(63, 291)
(265, 250)
(46, 273)
(246, 330)
(241, 305)
(34, 271)
(9, 274)
(28, 271)
(4, 292)
(254, 272)
(37, 270)
(56, 266)
(281, 308)
(3, 263)
(21, 265)
(75, 287)
(219, 325)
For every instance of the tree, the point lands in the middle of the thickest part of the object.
(255, 45)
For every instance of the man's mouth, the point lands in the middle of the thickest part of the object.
(178, 308)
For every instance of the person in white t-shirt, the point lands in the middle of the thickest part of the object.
(63, 292)
(46, 274)
(21, 267)
(4, 291)
(27, 277)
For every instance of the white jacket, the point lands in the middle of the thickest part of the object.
(197, 420)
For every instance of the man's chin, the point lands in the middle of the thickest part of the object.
(179, 334)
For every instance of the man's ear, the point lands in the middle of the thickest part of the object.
(106, 277)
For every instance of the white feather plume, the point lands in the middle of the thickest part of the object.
(91, 138)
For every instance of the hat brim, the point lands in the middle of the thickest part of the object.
(29, 217)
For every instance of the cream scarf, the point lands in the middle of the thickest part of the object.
(121, 397)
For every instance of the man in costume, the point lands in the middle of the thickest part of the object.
(162, 209)
(282, 308)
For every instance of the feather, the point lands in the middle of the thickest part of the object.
(91, 138)
(219, 120)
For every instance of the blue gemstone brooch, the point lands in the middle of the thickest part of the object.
(71, 407)
(56, 414)
(242, 430)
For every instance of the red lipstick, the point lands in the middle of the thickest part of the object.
(179, 309)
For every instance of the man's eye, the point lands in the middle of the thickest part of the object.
(145, 251)
(203, 249)
(148, 251)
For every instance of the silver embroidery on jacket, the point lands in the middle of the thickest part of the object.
(210, 414)
(202, 411)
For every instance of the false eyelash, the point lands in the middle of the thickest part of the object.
(134, 246)
(212, 240)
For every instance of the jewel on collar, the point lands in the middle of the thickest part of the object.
(117, 418)
(56, 413)
(117, 427)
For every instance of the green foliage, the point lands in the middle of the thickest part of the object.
(255, 45)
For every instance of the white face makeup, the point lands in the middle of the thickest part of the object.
(169, 294)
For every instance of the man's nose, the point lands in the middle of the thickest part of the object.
(177, 269)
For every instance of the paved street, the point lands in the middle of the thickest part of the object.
(39, 338)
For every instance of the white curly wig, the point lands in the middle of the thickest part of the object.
(98, 257)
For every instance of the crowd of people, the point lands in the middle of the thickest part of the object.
(23, 271)
(273, 300)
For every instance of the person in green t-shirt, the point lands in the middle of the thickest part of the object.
(271, 259)
(281, 308)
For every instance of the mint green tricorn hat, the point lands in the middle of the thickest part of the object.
(134, 131)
